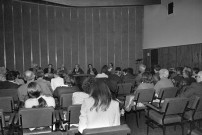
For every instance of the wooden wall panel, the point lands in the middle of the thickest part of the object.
(35, 34)
(67, 38)
(44, 34)
(18, 36)
(172, 54)
(196, 55)
(9, 44)
(2, 34)
(26, 34)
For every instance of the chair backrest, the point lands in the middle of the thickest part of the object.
(65, 100)
(144, 95)
(73, 114)
(9, 93)
(130, 81)
(2, 120)
(36, 117)
(7, 104)
(169, 92)
(124, 88)
(64, 90)
(114, 130)
(174, 106)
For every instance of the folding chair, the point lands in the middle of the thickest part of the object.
(169, 92)
(142, 96)
(114, 130)
(124, 89)
(39, 118)
(171, 113)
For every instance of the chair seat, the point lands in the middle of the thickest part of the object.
(7, 117)
(37, 131)
(197, 115)
(157, 117)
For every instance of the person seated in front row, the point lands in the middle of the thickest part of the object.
(36, 99)
(146, 83)
(99, 110)
(77, 70)
(57, 81)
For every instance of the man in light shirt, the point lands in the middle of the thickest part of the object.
(57, 81)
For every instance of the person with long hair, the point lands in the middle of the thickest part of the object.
(99, 110)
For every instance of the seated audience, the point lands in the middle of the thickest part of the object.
(36, 99)
(45, 85)
(116, 76)
(164, 82)
(77, 70)
(195, 72)
(104, 72)
(22, 90)
(91, 70)
(68, 80)
(157, 68)
(111, 67)
(146, 83)
(142, 69)
(178, 77)
(129, 76)
(99, 110)
(18, 78)
(155, 78)
(195, 89)
(49, 69)
(10, 81)
(78, 97)
(57, 81)
(187, 77)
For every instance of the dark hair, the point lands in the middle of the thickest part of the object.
(130, 70)
(188, 73)
(89, 65)
(101, 94)
(157, 67)
(195, 70)
(118, 69)
(104, 69)
(87, 84)
(40, 73)
(146, 77)
(33, 90)
(179, 69)
(10, 75)
(125, 70)
(42, 102)
(155, 78)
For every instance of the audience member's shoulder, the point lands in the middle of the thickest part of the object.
(114, 103)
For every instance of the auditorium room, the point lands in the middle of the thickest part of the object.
(100, 67)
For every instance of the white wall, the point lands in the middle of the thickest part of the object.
(181, 28)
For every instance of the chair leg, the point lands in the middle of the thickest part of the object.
(182, 126)
(164, 130)
(137, 119)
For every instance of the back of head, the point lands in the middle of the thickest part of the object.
(146, 77)
(101, 94)
(163, 73)
(10, 76)
(195, 70)
(87, 84)
(40, 73)
(104, 69)
(129, 70)
(142, 68)
(29, 75)
(33, 90)
(157, 68)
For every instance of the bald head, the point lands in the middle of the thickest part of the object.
(29, 75)
(199, 76)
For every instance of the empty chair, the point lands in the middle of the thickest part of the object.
(35, 118)
(114, 130)
(171, 113)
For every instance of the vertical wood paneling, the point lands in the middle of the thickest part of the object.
(103, 35)
(81, 31)
(117, 43)
(59, 36)
(45, 34)
(196, 55)
(125, 37)
(74, 34)
(18, 36)
(52, 36)
(89, 35)
(1, 35)
(96, 37)
(172, 54)
(43, 18)
(26, 35)
(67, 38)
(8, 34)
(35, 33)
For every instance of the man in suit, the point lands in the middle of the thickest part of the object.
(10, 81)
